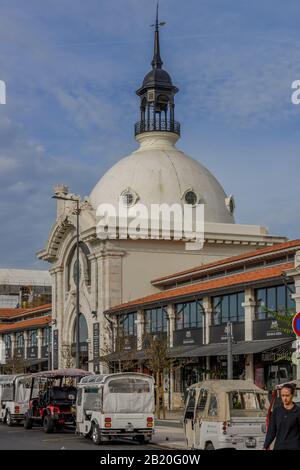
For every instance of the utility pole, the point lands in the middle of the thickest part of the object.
(77, 211)
(229, 351)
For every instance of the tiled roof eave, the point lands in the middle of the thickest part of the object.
(264, 276)
(230, 262)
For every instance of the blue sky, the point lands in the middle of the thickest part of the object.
(72, 68)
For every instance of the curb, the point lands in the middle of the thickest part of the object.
(168, 423)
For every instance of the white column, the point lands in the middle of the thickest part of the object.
(60, 312)
(26, 341)
(249, 306)
(206, 302)
(249, 364)
(39, 342)
(140, 325)
(2, 350)
(94, 282)
(13, 344)
(171, 323)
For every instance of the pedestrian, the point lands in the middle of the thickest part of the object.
(284, 424)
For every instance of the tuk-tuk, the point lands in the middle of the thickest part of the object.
(223, 414)
(276, 399)
(14, 397)
(52, 399)
(116, 405)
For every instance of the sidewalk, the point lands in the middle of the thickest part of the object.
(173, 419)
(169, 437)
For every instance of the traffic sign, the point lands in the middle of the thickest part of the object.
(296, 324)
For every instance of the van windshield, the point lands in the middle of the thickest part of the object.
(244, 403)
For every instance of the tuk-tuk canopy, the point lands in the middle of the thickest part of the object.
(296, 384)
(59, 373)
(9, 379)
(228, 385)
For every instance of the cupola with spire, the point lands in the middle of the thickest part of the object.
(157, 95)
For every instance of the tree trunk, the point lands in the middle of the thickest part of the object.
(163, 395)
(157, 396)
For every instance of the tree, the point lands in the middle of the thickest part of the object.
(117, 348)
(14, 365)
(66, 356)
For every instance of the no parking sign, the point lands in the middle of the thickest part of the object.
(296, 324)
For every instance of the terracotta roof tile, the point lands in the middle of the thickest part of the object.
(245, 256)
(15, 312)
(4, 327)
(206, 286)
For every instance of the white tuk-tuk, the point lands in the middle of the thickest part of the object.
(116, 405)
(225, 414)
(14, 397)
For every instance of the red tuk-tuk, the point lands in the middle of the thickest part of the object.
(52, 399)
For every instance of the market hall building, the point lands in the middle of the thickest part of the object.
(25, 339)
(114, 271)
(192, 311)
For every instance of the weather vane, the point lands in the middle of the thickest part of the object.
(157, 24)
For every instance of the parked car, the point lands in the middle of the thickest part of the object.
(116, 405)
(52, 399)
(225, 414)
(14, 397)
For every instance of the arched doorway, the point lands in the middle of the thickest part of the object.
(83, 342)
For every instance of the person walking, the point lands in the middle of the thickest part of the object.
(284, 424)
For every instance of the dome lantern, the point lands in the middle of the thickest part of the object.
(157, 95)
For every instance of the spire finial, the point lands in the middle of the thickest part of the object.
(156, 61)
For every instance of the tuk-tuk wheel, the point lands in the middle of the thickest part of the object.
(27, 422)
(142, 440)
(96, 437)
(8, 419)
(48, 424)
(209, 446)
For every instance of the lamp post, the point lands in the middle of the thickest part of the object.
(77, 212)
(229, 351)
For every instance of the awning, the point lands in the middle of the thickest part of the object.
(134, 355)
(253, 347)
(213, 349)
(220, 349)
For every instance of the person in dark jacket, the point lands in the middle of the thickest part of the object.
(284, 423)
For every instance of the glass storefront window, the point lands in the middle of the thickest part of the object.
(228, 308)
(33, 338)
(20, 340)
(46, 337)
(129, 324)
(189, 315)
(7, 340)
(276, 298)
(156, 320)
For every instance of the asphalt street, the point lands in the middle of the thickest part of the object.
(18, 438)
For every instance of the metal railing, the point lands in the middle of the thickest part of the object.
(157, 126)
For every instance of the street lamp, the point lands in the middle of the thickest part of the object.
(228, 330)
(77, 212)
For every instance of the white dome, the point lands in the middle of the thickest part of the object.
(159, 173)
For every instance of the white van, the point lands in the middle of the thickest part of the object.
(116, 405)
(14, 397)
(225, 414)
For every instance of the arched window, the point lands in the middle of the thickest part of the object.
(7, 341)
(83, 329)
(20, 340)
(84, 265)
(33, 338)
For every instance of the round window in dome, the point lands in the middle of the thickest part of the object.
(128, 198)
(230, 204)
(190, 198)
